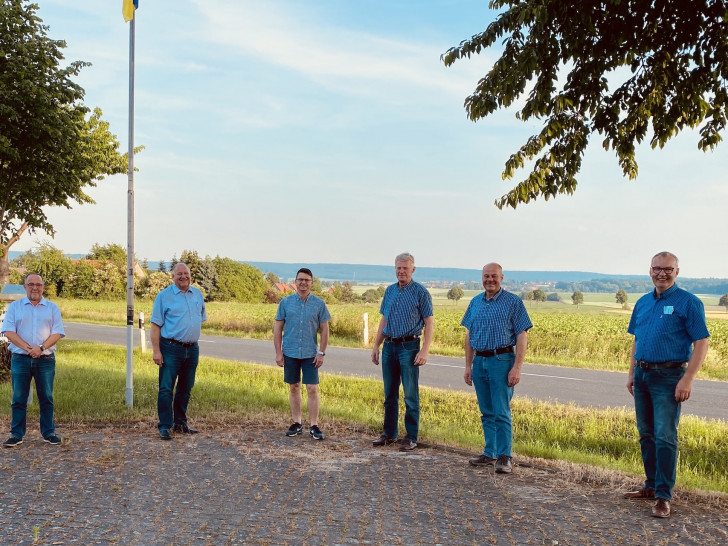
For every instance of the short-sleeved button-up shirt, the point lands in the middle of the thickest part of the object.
(33, 323)
(405, 309)
(666, 326)
(179, 314)
(496, 322)
(302, 320)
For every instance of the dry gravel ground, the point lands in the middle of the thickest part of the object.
(251, 485)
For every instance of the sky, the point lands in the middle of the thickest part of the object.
(331, 132)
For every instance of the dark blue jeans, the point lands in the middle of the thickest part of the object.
(398, 364)
(180, 366)
(658, 415)
(490, 379)
(43, 370)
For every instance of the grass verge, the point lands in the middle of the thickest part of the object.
(90, 388)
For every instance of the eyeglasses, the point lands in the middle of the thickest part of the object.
(665, 270)
(34, 284)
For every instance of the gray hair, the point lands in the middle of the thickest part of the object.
(405, 257)
(25, 280)
(666, 254)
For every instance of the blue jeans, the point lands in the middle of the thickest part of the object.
(658, 415)
(43, 370)
(180, 365)
(490, 379)
(398, 364)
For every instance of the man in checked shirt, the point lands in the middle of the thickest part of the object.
(495, 347)
(406, 309)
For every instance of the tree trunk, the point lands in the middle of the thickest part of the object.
(4, 265)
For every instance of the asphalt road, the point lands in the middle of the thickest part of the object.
(538, 382)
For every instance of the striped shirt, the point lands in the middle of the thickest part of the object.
(404, 309)
(666, 326)
(302, 320)
(496, 322)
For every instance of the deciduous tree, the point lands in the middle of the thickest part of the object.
(51, 149)
(577, 298)
(627, 70)
(621, 297)
(724, 301)
(455, 293)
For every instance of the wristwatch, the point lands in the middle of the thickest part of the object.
(321, 353)
(42, 348)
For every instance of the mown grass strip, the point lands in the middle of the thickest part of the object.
(90, 387)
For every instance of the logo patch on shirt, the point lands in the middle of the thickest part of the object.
(667, 310)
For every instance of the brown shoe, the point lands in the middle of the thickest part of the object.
(661, 509)
(641, 494)
(383, 441)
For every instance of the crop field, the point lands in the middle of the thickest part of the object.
(562, 337)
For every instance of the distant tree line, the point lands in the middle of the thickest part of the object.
(638, 286)
(101, 274)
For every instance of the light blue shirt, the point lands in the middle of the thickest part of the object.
(302, 320)
(405, 309)
(496, 322)
(178, 314)
(33, 323)
(666, 326)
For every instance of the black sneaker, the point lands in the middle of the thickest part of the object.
(316, 433)
(165, 434)
(503, 465)
(295, 429)
(482, 460)
(408, 445)
(53, 440)
(13, 441)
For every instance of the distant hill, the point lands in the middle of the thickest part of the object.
(363, 273)
(565, 281)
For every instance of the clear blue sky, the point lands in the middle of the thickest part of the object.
(330, 131)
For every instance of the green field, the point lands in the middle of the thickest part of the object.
(593, 336)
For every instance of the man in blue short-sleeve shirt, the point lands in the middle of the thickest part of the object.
(300, 317)
(177, 317)
(495, 347)
(670, 344)
(33, 326)
(406, 309)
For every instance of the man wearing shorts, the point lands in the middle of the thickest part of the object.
(300, 317)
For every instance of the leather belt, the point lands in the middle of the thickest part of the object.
(659, 365)
(182, 343)
(493, 352)
(401, 339)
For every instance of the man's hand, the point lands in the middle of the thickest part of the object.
(35, 351)
(514, 376)
(468, 376)
(157, 357)
(279, 360)
(318, 361)
(630, 384)
(375, 355)
(683, 389)
(421, 358)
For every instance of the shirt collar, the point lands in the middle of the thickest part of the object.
(495, 296)
(26, 301)
(666, 293)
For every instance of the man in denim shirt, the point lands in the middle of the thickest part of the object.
(177, 317)
(406, 309)
(299, 319)
(669, 331)
(495, 347)
(33, 326)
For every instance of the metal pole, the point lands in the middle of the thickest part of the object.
(130, 233)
